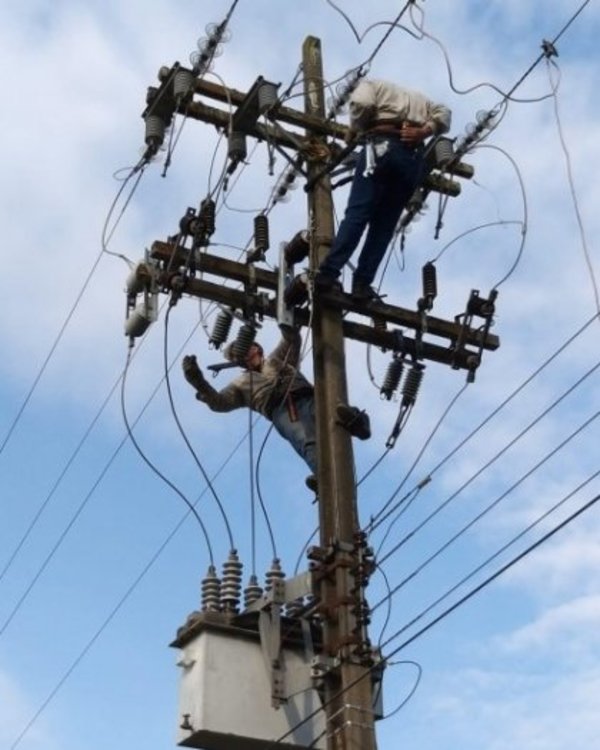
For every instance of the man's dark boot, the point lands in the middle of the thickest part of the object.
(354, 420)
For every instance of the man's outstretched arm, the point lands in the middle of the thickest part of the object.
(227, 399)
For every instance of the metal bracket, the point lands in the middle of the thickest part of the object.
(480, 307)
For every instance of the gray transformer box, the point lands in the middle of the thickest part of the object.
(225, 691)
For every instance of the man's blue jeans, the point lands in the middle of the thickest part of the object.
(376, 200)
(301, 432)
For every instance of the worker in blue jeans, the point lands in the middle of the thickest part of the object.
(274, 387)
(394, 123)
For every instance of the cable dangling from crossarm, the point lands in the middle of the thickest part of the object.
(185, 437)
(153, 467)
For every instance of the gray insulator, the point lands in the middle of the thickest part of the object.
(267, 97)
(297, 248)
(244, 341)
(412, 383)
(207, 215)
(231, 583)
(183, 84)
(444, 152)
(221, 328)
(138, 321)
(236, 146)
(261, 232)
(275, 573)
(253, 591)
(429, 277)
(155, 129)
(392, 378)
(211, 591)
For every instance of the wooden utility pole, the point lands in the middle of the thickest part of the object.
(342, 562)
(348, 694)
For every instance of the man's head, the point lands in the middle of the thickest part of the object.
(253, 359)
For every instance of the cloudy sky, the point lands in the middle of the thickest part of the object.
(99, 561)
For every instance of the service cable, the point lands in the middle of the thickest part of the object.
(184, 435)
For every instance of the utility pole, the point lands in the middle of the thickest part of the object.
(348, 694)
(345, 667)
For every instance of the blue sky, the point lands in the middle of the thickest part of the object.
(98, 563)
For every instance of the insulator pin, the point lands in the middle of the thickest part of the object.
(221, 328)
(392, 378)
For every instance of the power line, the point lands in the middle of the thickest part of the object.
(546, 537)
(131, 588)
(463, 600)
(498, 552)
(478, 473)
(50, 354)
(379, 517)
(483, 513)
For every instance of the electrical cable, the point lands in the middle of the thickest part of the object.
(251, 467)
(484, 512)
(491, 461)
(543, 54)
(412, 691)
(492, 577)
(106, 238)
(130, 589)
(388, 615)
(487, 225)
(173, 141)
(373, 467)
(393, 25)
(258, 490)
(507, 400)
(153, 468)
(571, 180)
(304, 549)
(498, 552)
(436, 427)
(64, 325)
(76, 515)
(50, 354)
(70, 314)
(185, 437)
(442, 616)
(524, 224)
(64, 471)
(58, 481)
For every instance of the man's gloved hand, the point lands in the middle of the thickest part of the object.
(191, 371)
